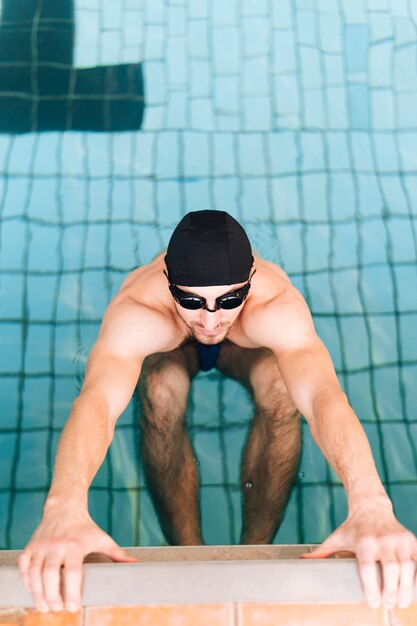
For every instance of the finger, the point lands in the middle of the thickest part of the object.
(24, 563)
(72, 580)
(35, 577)
(391, 579)
(369, 574)
(51, 575)
(405, 589)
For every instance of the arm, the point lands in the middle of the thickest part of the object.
(109, 384)
(67, 533)
(311, 380)
(371, 529)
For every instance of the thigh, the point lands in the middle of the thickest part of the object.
(257, 369)
(242, 363)
(168, 372)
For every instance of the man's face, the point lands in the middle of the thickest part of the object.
(209, 327)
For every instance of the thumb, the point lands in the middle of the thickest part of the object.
(121, 556)
(332, 544)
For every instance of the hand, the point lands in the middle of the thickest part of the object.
(374, 534)
(62, 540)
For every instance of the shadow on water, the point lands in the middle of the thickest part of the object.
(41, 90)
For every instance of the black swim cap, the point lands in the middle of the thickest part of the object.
(208, 248)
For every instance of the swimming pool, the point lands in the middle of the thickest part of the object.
(298, 118)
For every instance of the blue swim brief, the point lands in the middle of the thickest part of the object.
(207, 356)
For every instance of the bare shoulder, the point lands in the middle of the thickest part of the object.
(138, 321)
(277, 315)
(130, 326)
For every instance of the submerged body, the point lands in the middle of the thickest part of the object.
(269, 344)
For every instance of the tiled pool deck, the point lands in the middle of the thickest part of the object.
(210, 586)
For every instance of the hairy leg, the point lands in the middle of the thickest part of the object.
(272, 452)
(167, 455)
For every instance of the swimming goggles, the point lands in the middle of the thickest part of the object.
(228, 301)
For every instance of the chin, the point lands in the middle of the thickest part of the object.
(207, 340)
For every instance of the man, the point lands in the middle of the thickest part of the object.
(210, 302)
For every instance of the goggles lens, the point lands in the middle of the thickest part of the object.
(189, 303)
(193, 302)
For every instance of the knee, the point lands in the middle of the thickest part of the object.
(163, 392)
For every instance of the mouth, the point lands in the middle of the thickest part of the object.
(210, 333)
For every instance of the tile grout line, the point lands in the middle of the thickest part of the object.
(389, 618)
(236, 613)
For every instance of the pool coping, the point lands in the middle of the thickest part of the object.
(203, 575)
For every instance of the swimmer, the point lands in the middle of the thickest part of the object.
(210, 302)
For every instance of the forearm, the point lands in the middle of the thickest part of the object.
(82, 448)
(340, 436)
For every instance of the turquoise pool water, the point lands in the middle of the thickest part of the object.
(116, 118)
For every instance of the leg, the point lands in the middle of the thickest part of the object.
(167, 455)
(272, 452)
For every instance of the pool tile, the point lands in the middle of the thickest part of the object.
(256, 76)
(257, 113)
(196, 154)
(256, 35)
(177, 62)
(405, 68)
(407, 104)
(224, 13)
(155, 12)
(155, 78)
(383, 109)
(176, 110)
(284, 52)
(255, 194)
(53, 619)
(336, 107)
(311, 68)
(198, 9)
(181, 615)
(177, 21)
(227, 50)
(154, 42)
(356, 46)
(200, 85)
(358, 106)
(218, 522)
(227, 94)
(354, 11)
(202, 117)
(405, 617)
(309, 615)
(331, 27)
(306, 28)
(7, 448)
(198, 39)
(316, 512)
(14, 242)
(255, 7)
(21, 154)
(314, 114)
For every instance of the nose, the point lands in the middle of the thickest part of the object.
(209, 319)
